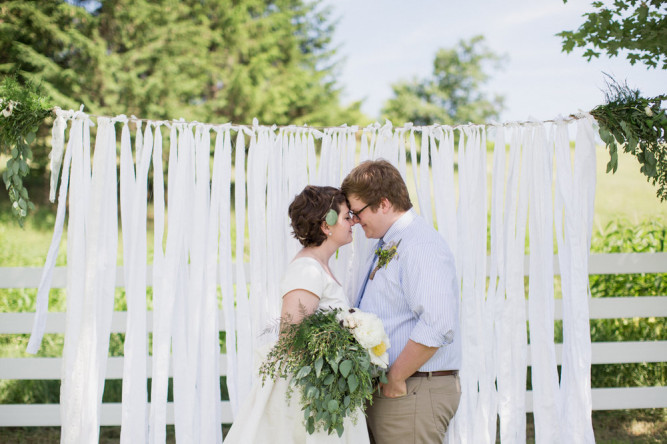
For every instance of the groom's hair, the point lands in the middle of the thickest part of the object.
(372, 180)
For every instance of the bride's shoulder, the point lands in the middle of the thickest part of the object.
(303, 265)
(303, 273)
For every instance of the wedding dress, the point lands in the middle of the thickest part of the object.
(266, 417)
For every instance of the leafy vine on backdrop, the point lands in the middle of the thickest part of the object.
(637, 125)
(23, 109)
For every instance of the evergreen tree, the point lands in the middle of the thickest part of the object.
(215, 60)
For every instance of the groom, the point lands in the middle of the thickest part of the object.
(411, 285)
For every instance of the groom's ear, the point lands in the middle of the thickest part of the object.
(385, 205)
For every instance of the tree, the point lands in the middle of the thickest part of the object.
(453, 93)
(219, 60)
(639, 27)
(52, 43)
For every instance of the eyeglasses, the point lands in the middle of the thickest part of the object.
(355, 214)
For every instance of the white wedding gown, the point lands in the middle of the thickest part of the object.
(265, 416)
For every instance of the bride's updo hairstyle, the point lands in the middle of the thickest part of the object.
(309, 209)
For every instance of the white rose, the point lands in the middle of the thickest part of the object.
(7, 112)
(15, 204)
(380, 361)
(369, 330)
(648, 111)
(379, 355)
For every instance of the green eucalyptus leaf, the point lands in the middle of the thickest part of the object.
(334, 365)
(345, 367)
(332, 405)
(303, 371)
(318, 366)
(341, 384)
(352, 382)
(328, 380)
(312, 392)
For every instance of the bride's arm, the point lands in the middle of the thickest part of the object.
(297, 304)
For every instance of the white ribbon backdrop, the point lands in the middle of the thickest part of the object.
(536, 181)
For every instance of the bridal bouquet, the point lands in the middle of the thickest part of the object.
(332, 357)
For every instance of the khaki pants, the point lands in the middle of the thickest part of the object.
(420, 417)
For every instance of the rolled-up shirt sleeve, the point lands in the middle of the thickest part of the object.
(429, 284)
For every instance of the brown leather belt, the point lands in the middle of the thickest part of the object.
(438, 373)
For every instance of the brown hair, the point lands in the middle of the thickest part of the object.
(372, 180)
(309, 208)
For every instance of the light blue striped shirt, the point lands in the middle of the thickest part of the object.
(416, 295)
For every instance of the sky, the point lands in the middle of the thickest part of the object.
(383, 41)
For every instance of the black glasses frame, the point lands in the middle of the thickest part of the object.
(355, 214)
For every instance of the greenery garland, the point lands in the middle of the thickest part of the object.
(23, 109)
(638, 125)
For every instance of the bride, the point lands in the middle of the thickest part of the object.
(321, 223)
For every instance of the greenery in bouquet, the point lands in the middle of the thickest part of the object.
(334, 359)
(23, 108)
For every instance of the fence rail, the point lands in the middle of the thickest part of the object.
(34, 368)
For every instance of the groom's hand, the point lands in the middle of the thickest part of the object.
(394, 388)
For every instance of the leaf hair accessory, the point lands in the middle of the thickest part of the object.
(332, 217)
(385, 255)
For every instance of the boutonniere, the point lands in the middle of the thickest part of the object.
(385, 255)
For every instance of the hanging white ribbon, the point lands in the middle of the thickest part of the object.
(541, 291)
(161, 337)
(57, 149)
(574, 219)
(76, 425)
(42, 299)
(245, 330)
(134, 425)
(183, 330)
(225, 268)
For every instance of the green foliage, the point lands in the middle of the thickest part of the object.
(622, 236)
(220, 60)
(636, 26)
(331, 371)
(453, 94)
(24, 108)
(639, 126)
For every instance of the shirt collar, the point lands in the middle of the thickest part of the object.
(396, 230)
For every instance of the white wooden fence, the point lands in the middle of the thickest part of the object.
(32, 368)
